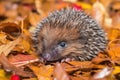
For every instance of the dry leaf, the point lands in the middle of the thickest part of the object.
(59, 73)
(12, 30)
(3, 75)
(3, 39)
(98, 12)
(7, 48)
(2, 9)
(43, 72)
(26, 45)
(114, 33)
(34, 18)
(38, 5)
(21, 59)
(103, 73)
(114, 49)
(84, 5)
(9, 67)
(74, 65)
(116, 70)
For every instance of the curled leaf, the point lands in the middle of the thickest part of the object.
(12, 30)
(7, 48)
(59, 73)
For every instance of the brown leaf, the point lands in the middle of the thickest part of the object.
(2, 9)
(98, 12)
(59, 73)
(74, 65)
(101, 58)
(12, 30)
(21, 59)
(80, 78)
(9, 67)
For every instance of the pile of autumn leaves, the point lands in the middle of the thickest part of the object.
(19, 61)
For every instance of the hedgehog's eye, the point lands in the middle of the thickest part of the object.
(62, 44)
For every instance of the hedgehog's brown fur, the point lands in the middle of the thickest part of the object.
(80, 36)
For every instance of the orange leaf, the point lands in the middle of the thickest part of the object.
(114, 49)
(114, 33)
(43, 72)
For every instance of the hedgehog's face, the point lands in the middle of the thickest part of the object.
(58, 43)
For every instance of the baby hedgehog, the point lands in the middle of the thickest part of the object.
(68, 34)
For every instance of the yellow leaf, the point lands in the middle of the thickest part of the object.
(3, 39)
(25, 45)
(6, 48)
(84, 5)
(114, 33)
(2, 36)
(2, 75)
(116, 70)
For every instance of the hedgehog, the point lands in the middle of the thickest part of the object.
(69, 34)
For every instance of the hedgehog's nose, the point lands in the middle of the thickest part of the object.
(46, 56)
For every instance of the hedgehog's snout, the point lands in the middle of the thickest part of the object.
(46, 56)
(51, 55)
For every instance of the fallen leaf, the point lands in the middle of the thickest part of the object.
(103, 73)
(59, 73)
(9, 67)
(34, 18)
(12, 30)
(26, 45)
(7, 48)
(114, 33)
(43, 72)
(22, 59)
(114, 49)
(3, 75)
(116, 70)
(84, 5)
(3, 39)
(74, 65)
(98, 12)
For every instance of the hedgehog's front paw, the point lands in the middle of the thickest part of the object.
(67, 59)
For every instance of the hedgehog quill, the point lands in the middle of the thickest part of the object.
(69, 34)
